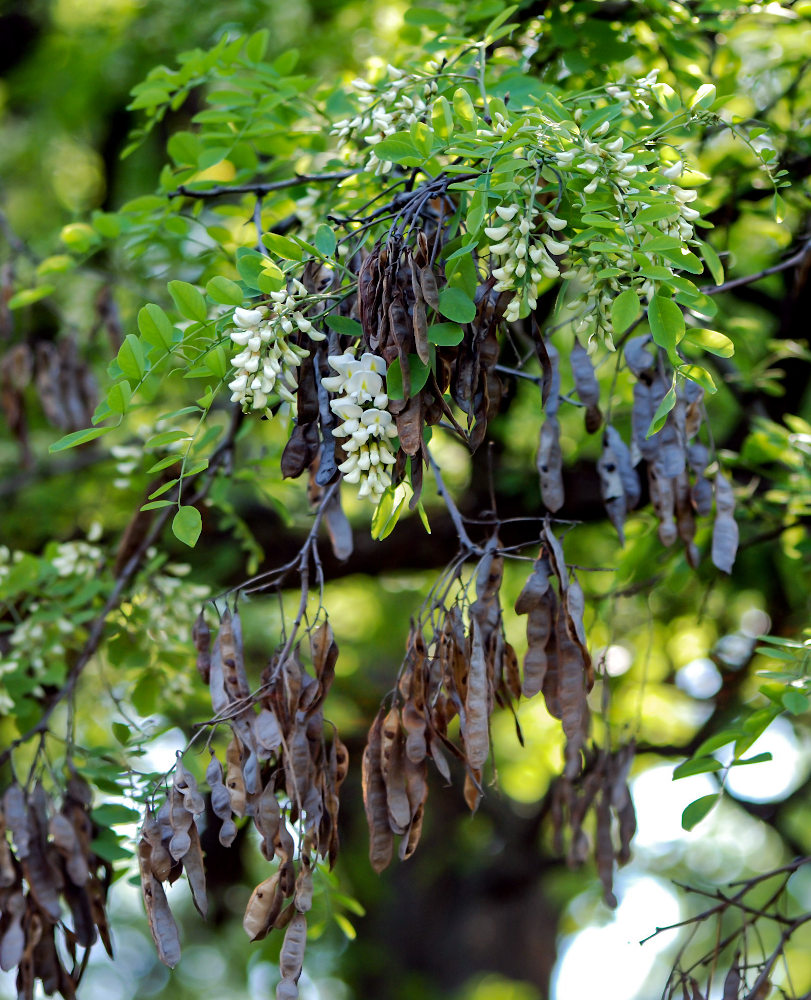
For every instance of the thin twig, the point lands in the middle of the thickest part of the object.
(453, 510)
(261, 189)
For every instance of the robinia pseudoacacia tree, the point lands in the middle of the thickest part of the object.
(405, 304)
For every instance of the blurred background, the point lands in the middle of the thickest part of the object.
(485, 910)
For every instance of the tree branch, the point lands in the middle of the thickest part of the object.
(262, 189)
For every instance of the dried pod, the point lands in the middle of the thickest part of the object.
(292, 953)
(221, 801)
(263, 908)
(161, 922)
(381, 843)
(476, 729)
(235, 781)
(201, 637)
(549, 463)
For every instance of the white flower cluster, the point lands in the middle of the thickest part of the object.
(267, 362)
(602, 162)
(632, 95)
(524, 260)
(366, 423)
(167, 603)
(385, 112)
(78, 559)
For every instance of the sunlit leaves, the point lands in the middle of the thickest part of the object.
(666, 323)
(624, 310)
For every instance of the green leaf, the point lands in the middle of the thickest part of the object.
(397, 148)
(344, 325)
(387, 512)
(163, 489)
(497, 21)
(225, 291)
(653, 213)
(696, 811)
(158, 504)
(666, 97)
(257, 44)
(759, 758)
(118, 396)
(442, 118)
(418, 371)
(699, 375)
(662, 411)
(464, 110)
(325, 241)
(422, 137)
(188, 300)
(696, 765)
(778, 207)
(155, 326)
(76, 438)
(711, 341)
(30, 295)
(130, 357)
(112, 814)
(624, 310)
(166, 437)
(455, 305)
(122, 733)
(283, 247)
(187, 525)
(795, 701)
(666, 323)
(717, 741)
(445, 334)
(345, 926)
(713, 262)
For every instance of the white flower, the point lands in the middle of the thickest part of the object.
(248, 317)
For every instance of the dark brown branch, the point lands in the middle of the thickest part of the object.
(262, 189)
(794, 261)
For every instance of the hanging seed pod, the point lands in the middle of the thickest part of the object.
(263, 907)
(611, 488)
(381, 841)
(586, 385)
(201, 637)
(549, 463)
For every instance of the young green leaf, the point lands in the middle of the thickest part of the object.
(188, 300)
(394, 379)
(445, 334)
(696, 811)
(225, 291)
(624, 310)
(187, 525)
(155, 326)
(711, 341)
(463, 109)
(345, 325)
(456, 306)
(666, 323)
(662, 411)
(130, 357)
(76, 438)
(325, 241)
(696, 765)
